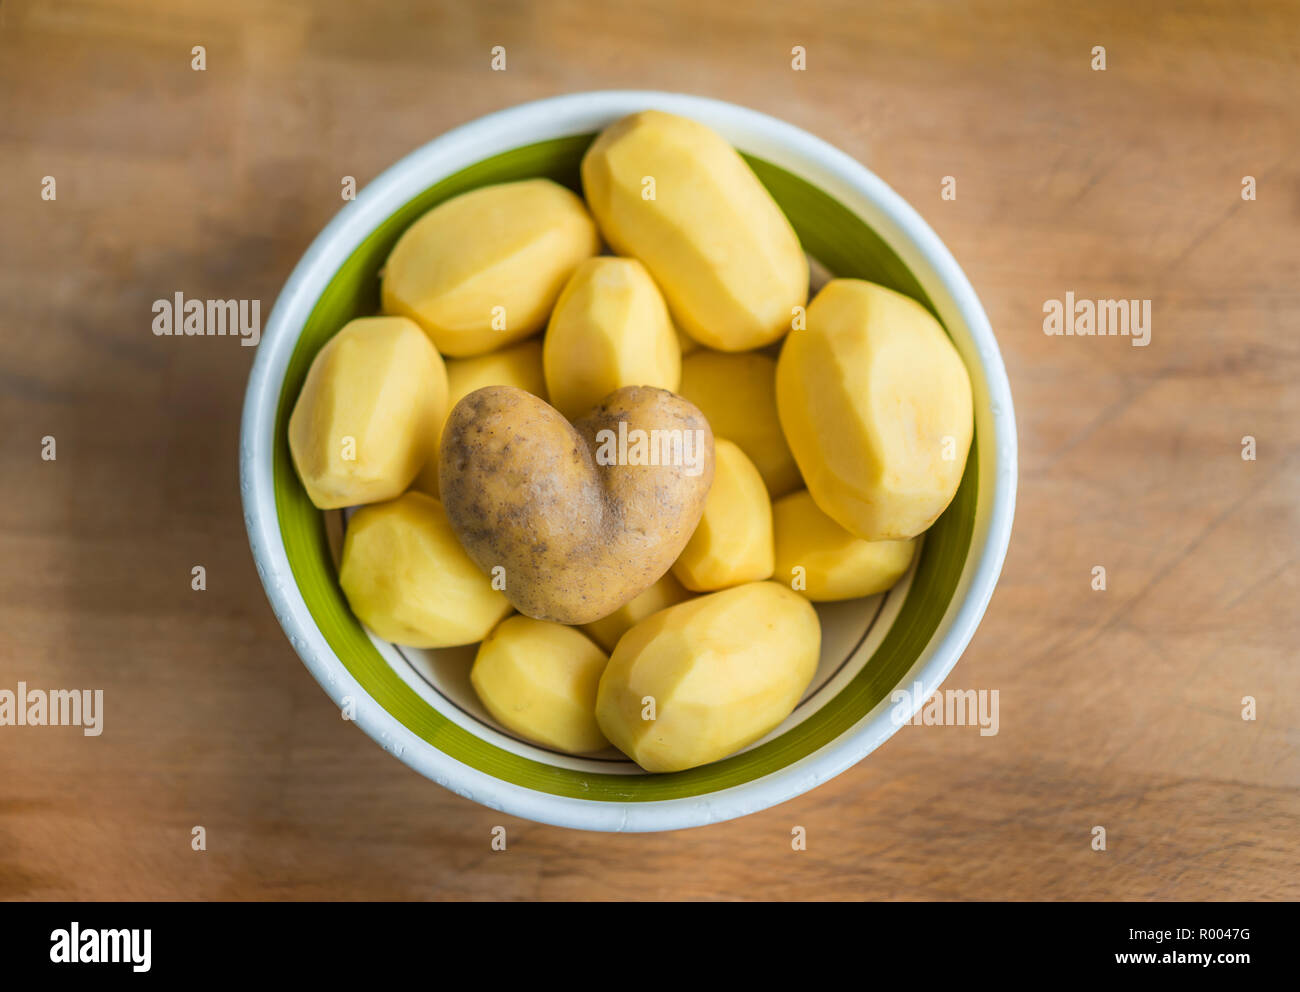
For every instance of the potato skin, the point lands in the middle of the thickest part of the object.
(722, 669)
(732, 544)
(833, 563)
(407, 578)
(609, 329)
(577, 539)
(379, 382)
(876, 405)
(727, 259)
(539, 679)
(738, 395)
(512, 245)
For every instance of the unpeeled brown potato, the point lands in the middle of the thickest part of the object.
(876, 404)
(738, 395)
(671, 192)
(716, 673)
(732, 543)
(483, 269)
(821, 560)
(609, 329)
(519, 365)
(364, 423)
(582, 517)
(407, 578)
(539, 679)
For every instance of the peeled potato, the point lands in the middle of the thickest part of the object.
(408, 579)
(703, 679)
(732, 543)
(610, 329)
(738, 395)
(876, 404)
(685, 342)
(539, 679)
(664, 593)
(671, 192)
(519, 365)
(483, 269)
(364, 422)
(818, 558)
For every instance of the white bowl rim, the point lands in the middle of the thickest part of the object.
(578, 113)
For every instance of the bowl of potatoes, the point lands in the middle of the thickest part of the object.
(628, 461)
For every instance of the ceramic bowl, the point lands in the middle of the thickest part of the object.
(418, 704)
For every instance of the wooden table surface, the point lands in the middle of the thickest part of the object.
(1119, 708)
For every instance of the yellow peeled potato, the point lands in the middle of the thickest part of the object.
(664, 593)
(685, 342)
(364, 423)
(539, 679)
(733, 542)
(519, 365)
(609, 329)
(483, 269)
(819, 559)
(719, 671)
(876, 404)
(407, 578)
(671, 192)
(737, 393)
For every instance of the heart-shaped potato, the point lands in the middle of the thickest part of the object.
(575, 519)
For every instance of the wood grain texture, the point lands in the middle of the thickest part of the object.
(1119, 708)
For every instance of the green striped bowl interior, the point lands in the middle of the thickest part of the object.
(830, 233)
